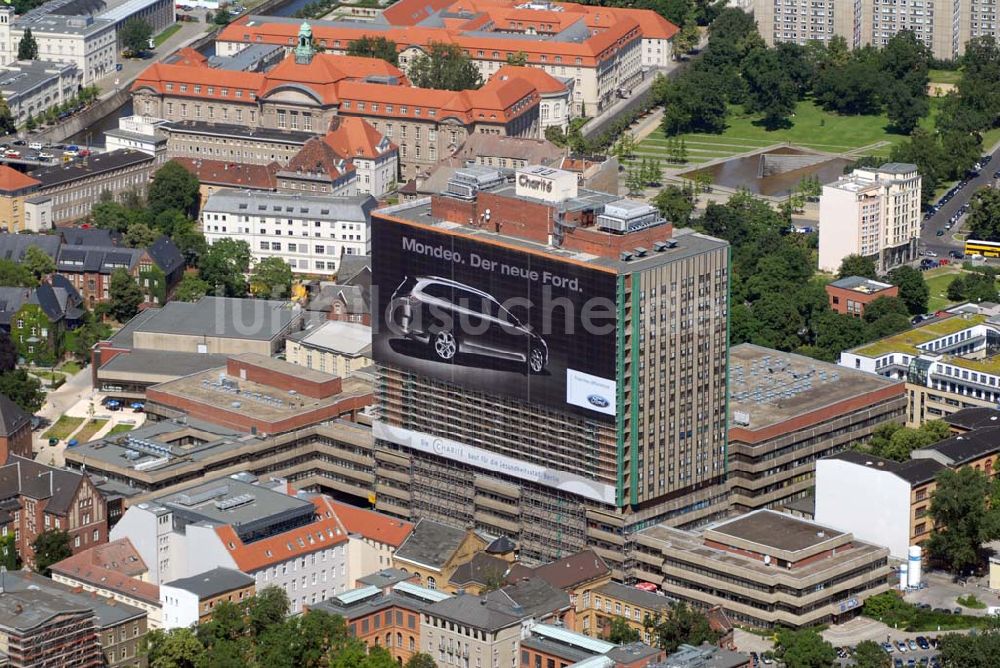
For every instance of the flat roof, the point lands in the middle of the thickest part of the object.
(777, 531)
(223, 317)
(861, 284)
(239, 131)
(338, 336)
(161, 365)
(213, 583)
(228, 500)
(688, 242)
(97, 163)
(255, 400)
(907, 342)
(670, 539)
(768, 387)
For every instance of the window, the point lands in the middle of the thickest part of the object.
(431, 582)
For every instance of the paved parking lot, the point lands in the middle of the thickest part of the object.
(943, 592)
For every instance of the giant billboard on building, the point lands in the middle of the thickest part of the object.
(493, 318)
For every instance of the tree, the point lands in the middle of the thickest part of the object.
(7, 125)
(519, 59)
(770, 89)
(963, 519)
(176, 648)
(126, 295)
(173, 187)
(445, 66)
(38, 262)
(140, 235)
(884, 306)
(676, 204)
(268, 607)
(50, 546)
(970, 651)
(804, 648)
(374, 47)
(856, 265)
(135, 35)
(27, 48)
(421, 660)
(984, 214)
(14, 275)
(9, 558)
(225, 265)
(22, 389)
(8, 353)
(913, 288)
(692, 102)
(681, 625)
(905, 64)
(620, 633)
(272, 277)
(222, 17)
(869, 654)
(191, 289)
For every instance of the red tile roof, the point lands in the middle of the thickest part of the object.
(355, 137)
(468, 20)
(318, 157)
(370, 524)
(231, 174)
(12, 180)
(188, 56)
(324, 532)
(542, 81)
(114, 566)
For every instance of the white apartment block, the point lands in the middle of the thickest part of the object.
(87, 42)
(871, 212)
(943, 27)
(231, 523)
(309, 232)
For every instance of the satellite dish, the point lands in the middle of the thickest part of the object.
(767, 560)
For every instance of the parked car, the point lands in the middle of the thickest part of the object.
(958, 255)
(939, 233)
(35, 146)
(11, 153)
(912, 644)
(901, 646)
(44, 155)
(889, 649)
(426, 309)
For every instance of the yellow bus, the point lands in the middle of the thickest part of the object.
(984, 248)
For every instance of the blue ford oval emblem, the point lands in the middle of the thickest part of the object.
(598, 400)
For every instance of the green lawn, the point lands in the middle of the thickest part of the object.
(72, 368)
(165, 35)
(938, 286)
(63, 427)
(945, 76)
(812, 127)
(120, 429)
(90, 429)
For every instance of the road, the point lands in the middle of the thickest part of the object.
(942, 244)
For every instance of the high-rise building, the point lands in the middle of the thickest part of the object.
(873, 213)
(551, 363)
(944, 28)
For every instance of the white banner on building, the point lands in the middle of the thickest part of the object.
(489, 461)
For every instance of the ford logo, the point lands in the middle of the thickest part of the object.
(598, 400)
